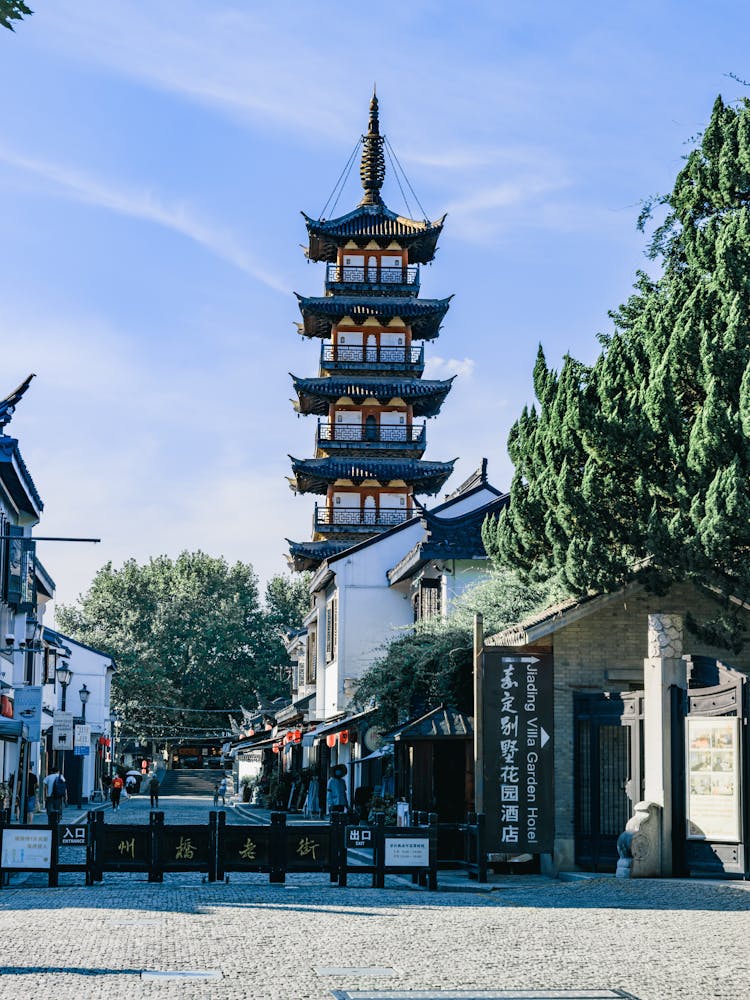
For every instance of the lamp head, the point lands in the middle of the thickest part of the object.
(64, 673)
(84, 694)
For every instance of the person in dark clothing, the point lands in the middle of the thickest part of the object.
(32, 783)
(153, 790)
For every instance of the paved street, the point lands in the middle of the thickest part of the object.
(656, 940)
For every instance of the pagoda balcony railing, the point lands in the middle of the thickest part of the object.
(363, 433)
(373, 357)
(357, 519)
(348, 277)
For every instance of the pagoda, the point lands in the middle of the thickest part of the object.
(369, 395)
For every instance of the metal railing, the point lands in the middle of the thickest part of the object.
(348, 274)
(372, 354)
(356, 517)
(371, 433)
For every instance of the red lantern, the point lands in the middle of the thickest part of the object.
(251, 732)
(275, 748)
(297, 735)
(344, 736)
(331, 740)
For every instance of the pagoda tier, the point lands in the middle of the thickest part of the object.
(308, 555)
(316, 475)
(369, 224)
(321, 314)
(315, 395)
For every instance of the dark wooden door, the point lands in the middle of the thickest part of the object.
(608, 773)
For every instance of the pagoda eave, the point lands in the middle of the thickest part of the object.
(321, 313)
(315, 475)
(372, 224)
(315, 395)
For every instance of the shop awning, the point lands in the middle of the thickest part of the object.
(350, 722)
(11, 730)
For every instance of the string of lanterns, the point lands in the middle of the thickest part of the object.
(295, 736)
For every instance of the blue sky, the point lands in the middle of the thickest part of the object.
(154, 159)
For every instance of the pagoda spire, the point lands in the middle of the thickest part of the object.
(372, 166)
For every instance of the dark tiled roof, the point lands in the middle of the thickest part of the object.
(441, 722)
(8, 405)
(314, 475)
(373, 222)
(448, 538)
(19, 484)
(425, 395)
(309, 555)
(321, 312)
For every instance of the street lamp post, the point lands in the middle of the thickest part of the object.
(84, 695)
(64, 675)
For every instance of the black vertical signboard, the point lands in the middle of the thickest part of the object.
(518, 752)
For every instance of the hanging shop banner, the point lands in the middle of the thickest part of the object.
(82, 740)
(518, 762)
(62, 731)
(27, 706)
(713, 786)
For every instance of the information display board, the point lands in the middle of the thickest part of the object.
(714, 778)
(26, 849)
(407, 852)
(62, 731)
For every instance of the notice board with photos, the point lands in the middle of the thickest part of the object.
(518, 757)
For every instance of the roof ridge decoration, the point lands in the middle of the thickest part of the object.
(372, 165)
(8, 405)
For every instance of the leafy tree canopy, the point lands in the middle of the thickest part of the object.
(432, 663)
(13, 10)
(189, 632)
(643, 459)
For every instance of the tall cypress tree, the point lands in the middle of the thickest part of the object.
(643, 459)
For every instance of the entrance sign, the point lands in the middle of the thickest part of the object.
(27, 706)
(411, 852)
(714, 779)
(72, 836)
(518, 763)
(26, 849)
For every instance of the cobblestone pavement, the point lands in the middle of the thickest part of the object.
(655, 940)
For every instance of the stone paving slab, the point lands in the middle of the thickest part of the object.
(653, 940)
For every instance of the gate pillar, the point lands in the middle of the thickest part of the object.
(663, 669)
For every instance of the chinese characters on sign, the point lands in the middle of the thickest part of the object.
(307, 846)
(518, 763)
(185, 850)
(713, 803)
(126, 848)
(249, 851)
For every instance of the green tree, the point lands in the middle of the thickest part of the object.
(432, 662)
(13, 10)
(189, 632)
(643, 459)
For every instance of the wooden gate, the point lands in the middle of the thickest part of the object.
(608, 773)
(713, 786)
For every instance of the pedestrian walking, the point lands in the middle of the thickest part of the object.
(153, 790)
(216, 795)
(336, 797)
(56, 792)
(32, 783)
(116, 791)
(223, 791)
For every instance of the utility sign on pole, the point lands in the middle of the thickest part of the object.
(518, 763)
(82, 740)
(62, 731)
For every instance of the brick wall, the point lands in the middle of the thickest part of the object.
(604, 651)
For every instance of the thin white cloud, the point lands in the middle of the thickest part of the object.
(148, 207)
(436, 367)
